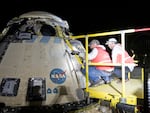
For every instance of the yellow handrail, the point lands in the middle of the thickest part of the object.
(123, 64)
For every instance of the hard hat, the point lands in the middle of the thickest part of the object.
(94, 42)
(111, 40)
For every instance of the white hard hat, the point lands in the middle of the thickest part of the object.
(111, 40)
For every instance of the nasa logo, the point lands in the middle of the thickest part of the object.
(57, 76)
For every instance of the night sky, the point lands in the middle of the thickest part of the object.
(84, 17)
(89, 17)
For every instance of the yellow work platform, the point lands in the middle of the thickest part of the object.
(134, 87)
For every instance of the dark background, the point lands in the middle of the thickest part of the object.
(83, 16)
(86, 17)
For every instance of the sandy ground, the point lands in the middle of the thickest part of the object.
(94, 109)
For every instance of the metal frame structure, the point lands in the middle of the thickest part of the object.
(123, 98)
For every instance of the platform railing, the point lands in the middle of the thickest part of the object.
(123, 64)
